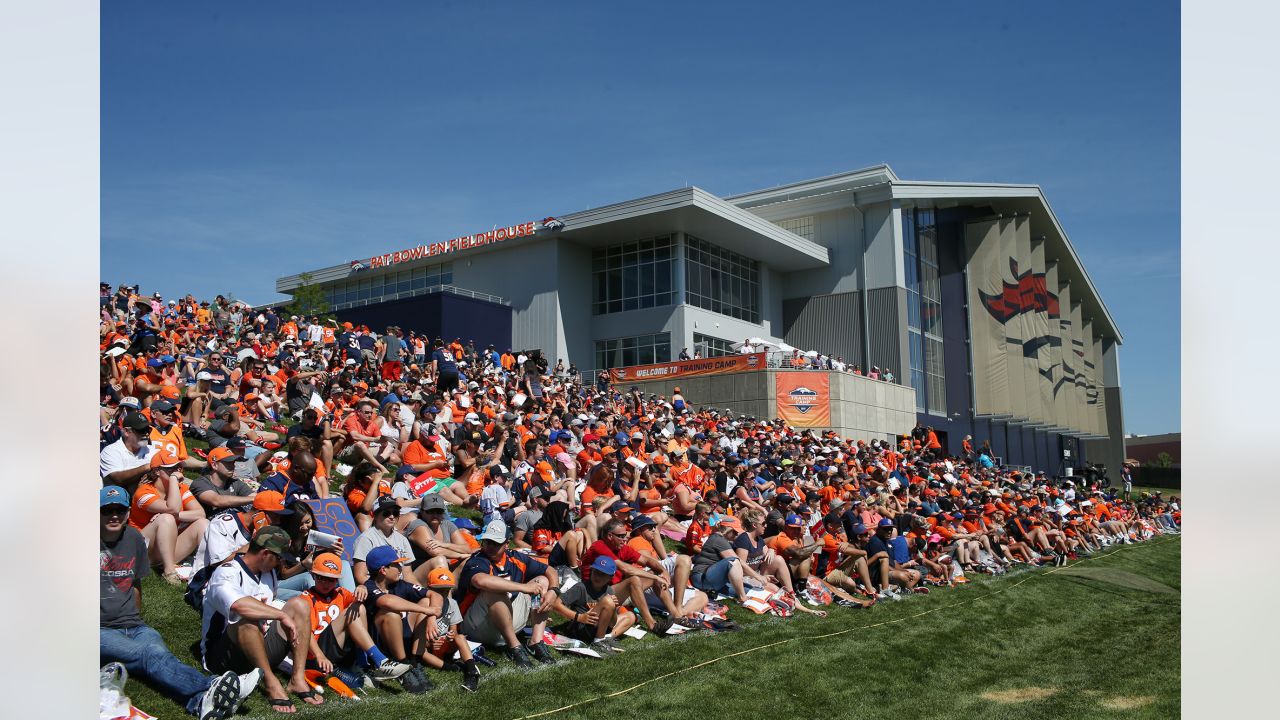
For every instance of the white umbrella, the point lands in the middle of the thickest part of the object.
(785, 347)
(810, 353)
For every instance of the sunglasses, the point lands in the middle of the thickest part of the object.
(112, 510)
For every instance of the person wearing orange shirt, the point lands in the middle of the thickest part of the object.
(168, 516)
(699, 528)
(339, 623)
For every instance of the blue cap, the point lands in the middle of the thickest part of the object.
(154, 362)
(382, 556)
(885, 522)
(167, 358)
(605, 564)
(859, 529)
(433, 410)
(465, 524)
(113, 495)
(794, 520)
(641, 522)
(622, 438)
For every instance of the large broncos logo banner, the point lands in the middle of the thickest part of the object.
(804, 398)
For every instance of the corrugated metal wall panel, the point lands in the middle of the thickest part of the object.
(885, 328)
(830, 324)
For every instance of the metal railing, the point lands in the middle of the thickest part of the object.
(464, 292)
(774, 360)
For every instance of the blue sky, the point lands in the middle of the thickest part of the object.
(244, 141)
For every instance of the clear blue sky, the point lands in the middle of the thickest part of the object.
(244, 141)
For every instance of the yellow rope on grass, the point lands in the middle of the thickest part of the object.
(712, 661)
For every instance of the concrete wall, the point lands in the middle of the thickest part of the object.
(860, 408)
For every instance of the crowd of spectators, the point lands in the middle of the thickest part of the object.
(502, 505)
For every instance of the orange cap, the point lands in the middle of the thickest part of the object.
(165, 459)
(220, 454)
(169, 391)
(268, 501)
(327, 565)
(544, 470)
(730, 522)
(607, 451)
(441, 578)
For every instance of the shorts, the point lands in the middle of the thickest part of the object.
(224, 655)
(476, 625)
(715, 579)
(328, 642)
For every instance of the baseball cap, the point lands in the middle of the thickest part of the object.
(794, 520)
(327, 565)
(235, 443)
(441, 578)
(129, 401)
(270, 501)
(136, 422)
(641, 522)
(204, 375)
(386, 502)
(537, 491)
(221, 455)
(465, 524)
(166, 459)
(884, 522)
(271, 538)
(113, 495)
(473, 418)
(433, 501)
(382, 556)
(605, 564)
(495, 531)
(730, 522)
(162, 405)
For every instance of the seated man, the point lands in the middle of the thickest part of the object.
(880, 554)
(716, 568)
(592, 608)
(383, 532)
(497, 590)
(339, 626)
(401, 612)
(241, 630)
(636, 574)
(168, 516)
(123, 637)
(646, 540)
(219, 489)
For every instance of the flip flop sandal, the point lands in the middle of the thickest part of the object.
(280, 702)
(304, 696)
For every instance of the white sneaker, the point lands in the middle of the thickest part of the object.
(222, 697)
(248, 682)
(389, 670)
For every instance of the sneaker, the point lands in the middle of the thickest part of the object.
(248, 682)
(845, 603)
(608, 644)
(660, 626)
(471, 681)
(886, 595)
(688, 622)
(520, 657)
(222, 697)
(920, 590)
(542, 653)
(415, 681)
(350, 677)
(389, 670)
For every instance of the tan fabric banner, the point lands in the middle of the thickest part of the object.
(686, 368)
(1021, 268)
(988, 310)
(1090, 377)
(1013, 323)
(1040, 343)
(1079, 404)
(804, 398)
(1053, 321)
(1065, 386)
(1101, 382)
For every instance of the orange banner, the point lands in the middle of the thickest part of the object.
(685, 368)
(804, 398)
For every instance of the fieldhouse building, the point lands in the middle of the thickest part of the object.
(970, 293)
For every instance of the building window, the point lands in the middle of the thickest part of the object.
(712, 346)
(924, 309)
(721, 281)
(637, 350)
(802, 226)
(633, 276)
(389, 286)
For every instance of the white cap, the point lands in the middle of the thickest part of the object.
(204, 375)
(495, 531)
(351, 361)
(474, 418)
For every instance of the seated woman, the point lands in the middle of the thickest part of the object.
(294, 570)
(169, 517)
(363, 487)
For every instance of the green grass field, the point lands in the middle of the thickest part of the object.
(1098, 638)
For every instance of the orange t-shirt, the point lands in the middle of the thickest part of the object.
(147, 495)
(324, 612)
(695, 535)
(356, 496)
(171, 441)
(418, 454)
(643, 546)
